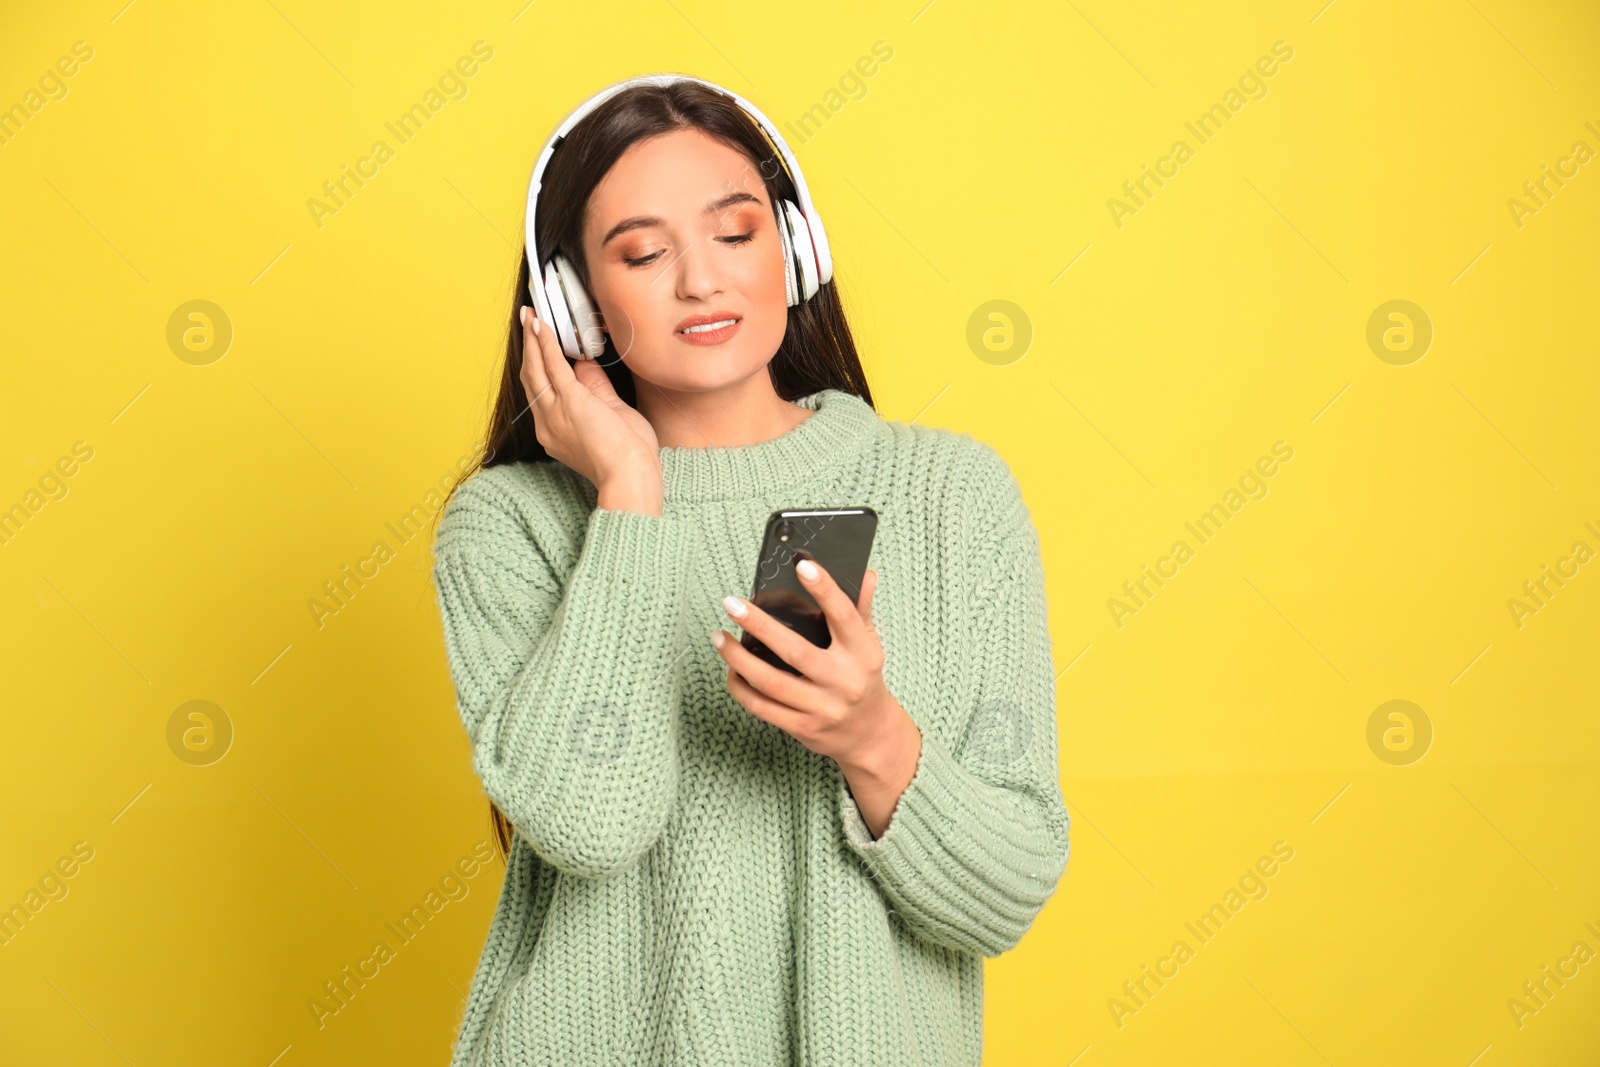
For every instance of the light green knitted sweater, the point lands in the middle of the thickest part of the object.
(688, 884)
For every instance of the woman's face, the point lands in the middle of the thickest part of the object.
(681, 231)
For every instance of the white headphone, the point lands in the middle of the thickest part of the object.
(559, 297)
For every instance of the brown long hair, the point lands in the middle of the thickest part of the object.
(817, 351)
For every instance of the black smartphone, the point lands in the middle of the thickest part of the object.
(836, 539)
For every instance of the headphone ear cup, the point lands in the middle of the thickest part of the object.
(791, 285)
(803, 254)
(560, 313)
(578, 321)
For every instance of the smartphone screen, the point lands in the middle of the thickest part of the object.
(838, 539)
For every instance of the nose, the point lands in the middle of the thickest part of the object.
(697, 274)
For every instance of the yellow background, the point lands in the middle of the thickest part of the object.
(1228, 313)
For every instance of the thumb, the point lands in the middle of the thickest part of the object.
(869, 585)
(594, 378)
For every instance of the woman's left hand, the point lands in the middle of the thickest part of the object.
(838, 706)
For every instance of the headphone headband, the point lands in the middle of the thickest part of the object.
(819, 239)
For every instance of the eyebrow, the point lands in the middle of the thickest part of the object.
(639, 222)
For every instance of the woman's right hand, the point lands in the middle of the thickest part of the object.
(581, 421)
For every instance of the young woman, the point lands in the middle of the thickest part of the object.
(712, 860)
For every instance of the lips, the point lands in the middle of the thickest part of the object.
(705, 322)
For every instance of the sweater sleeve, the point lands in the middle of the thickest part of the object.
(978, 841)
(567, 683)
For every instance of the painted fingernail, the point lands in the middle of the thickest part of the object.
(734, 606)
(717, 637)
(807, 569)
(523, 314)
(536, 325)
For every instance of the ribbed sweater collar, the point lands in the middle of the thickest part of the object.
(840, 429)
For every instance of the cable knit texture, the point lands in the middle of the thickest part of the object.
(688, 884)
